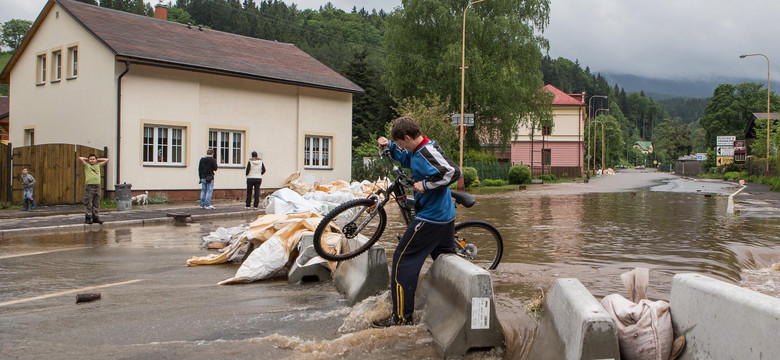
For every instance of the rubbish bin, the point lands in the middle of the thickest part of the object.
(123, 195)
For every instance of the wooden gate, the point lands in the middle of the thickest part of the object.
(58, 173)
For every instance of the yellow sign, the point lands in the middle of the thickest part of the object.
(723, 160)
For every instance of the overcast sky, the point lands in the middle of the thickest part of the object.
(668, 39)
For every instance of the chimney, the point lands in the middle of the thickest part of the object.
(161, 11)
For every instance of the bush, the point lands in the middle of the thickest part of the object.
(519, 174)
(469, 176)
(731, 176)
(775, 185)
(753, 179)
(547, 178)
(494, 182)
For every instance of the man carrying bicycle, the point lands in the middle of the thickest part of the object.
(432, 230)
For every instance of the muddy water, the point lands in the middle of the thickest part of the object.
(592, 236)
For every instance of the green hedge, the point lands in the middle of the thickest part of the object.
(469, 176)
(519, 174)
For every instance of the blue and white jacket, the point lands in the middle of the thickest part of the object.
(437, 172)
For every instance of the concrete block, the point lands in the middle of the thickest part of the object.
(124, 205)
(461, 311)
(308, 266)
(364, 275)
(585, 328)
(722, 320)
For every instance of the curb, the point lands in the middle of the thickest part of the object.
(123, 223)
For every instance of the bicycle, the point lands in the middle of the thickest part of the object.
(476, 241)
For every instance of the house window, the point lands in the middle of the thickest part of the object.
(546, 156)
(163, 145)
(29, 137)
(56, 66)
(316, 151)
(228, 145)
(40, 77)
(546, 131)
(73, 62)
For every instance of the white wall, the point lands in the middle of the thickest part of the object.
(274, 117)
(77, 111)
(567, 120)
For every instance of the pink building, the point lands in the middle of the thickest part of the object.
(559, 151)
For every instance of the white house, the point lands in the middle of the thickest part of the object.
(157, 94)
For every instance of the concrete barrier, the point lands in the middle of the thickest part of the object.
(461, 311)
(308, 266)
(585, 328)
(724, 321)
(364, 275)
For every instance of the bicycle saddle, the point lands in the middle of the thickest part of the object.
(464, 199)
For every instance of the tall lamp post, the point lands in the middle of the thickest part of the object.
(590, 138)
(595, 115)
(767, 107)
(463, 86)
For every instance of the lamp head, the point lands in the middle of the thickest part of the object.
(742, 56)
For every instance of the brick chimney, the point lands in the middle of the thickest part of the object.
(161, 11)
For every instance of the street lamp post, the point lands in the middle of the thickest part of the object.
(590, 138)
(463, 85)
(767, 107)
(595, 115)
(602, 145)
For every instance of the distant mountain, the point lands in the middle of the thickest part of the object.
(660, 89)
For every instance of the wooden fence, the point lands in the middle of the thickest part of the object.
(5, 172)
(58, 173)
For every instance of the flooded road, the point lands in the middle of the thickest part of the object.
(155, 307)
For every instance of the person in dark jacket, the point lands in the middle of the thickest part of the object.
(206, 169)
(432, 230)
(254, 177)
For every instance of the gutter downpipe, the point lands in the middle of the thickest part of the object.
(119, 120)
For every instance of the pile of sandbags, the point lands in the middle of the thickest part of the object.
(290, 212)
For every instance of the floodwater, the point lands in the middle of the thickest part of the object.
(592, 232)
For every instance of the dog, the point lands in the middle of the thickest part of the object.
(141, 199)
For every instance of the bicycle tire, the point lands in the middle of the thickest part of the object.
(372, 231)
(487, 241)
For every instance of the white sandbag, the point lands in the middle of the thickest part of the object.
(644, 328)
(286, 201)
(264, 262)
(224, 234)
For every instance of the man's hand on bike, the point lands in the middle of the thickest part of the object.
(418, 187)
(382, 142)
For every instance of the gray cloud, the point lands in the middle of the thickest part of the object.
(669, 39)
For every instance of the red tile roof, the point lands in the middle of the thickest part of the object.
(562, 98)
(149, 40)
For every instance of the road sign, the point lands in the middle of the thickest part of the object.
(726, 140)
(739, 156)
(739, 143)
(701, 156)
(725, 151)
(723, 160)
(468, 119)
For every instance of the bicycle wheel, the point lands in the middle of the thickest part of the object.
(349, 230)
(480, 243)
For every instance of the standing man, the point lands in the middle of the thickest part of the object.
(432, 230)
(92, 187)
(206, 170)
(254, 178)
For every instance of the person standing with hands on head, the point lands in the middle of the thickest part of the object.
(206, 169)
(28, 181)
(254, 177)
(92, 187)
(432, 230)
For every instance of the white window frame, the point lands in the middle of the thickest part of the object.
(166, 147)
(228, 145)
(318, 152)
(41, 69)
(73, 62)
(56, 66)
